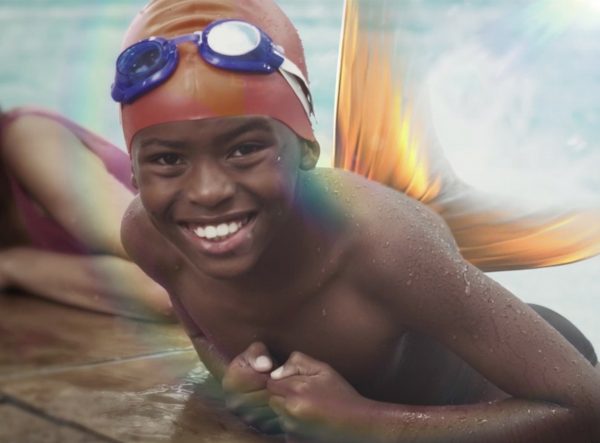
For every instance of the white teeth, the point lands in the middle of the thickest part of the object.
(210, 232)
(222, 230)
(218, 232)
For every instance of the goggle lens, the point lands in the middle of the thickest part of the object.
(234, 39)
(142, 61)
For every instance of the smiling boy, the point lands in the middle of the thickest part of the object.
(331, 307)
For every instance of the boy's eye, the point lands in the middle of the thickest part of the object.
(168, 159)
(246, 149)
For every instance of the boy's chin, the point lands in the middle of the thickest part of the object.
(225, 269)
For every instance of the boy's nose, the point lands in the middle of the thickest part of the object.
(209, 186)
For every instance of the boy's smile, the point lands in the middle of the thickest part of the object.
(219, 189)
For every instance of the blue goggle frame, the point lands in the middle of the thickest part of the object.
(149, 63)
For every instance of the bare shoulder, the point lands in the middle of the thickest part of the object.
(392, 231)
(32, 127)
(31, 141)
(147, 247)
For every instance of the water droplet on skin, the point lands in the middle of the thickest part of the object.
(467, 282)
(324, 312)
(278, 159)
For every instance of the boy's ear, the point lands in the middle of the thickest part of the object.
(311, 150)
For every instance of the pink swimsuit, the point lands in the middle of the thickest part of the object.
(44, 231)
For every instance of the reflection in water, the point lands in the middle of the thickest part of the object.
(204, 407)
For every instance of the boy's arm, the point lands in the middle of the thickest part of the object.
(555, 391)
(315, 402)
(161, 261)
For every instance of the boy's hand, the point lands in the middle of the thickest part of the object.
(313, 400)
(245, 385)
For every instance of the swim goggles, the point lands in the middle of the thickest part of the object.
(232, 45)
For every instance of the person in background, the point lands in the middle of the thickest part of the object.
(63, 193)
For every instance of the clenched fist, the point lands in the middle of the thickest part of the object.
(245, 385)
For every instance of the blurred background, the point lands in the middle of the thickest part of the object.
(513, 90)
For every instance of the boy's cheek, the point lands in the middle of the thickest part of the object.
(154, 196)
(277, 183)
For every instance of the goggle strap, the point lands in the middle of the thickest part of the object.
(292, 68)
(289, 69)
(298, 90)
(194, 37)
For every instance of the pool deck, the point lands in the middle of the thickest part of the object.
(73, 376)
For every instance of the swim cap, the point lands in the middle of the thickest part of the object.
(197, 90)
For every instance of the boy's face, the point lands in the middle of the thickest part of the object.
(220, 189)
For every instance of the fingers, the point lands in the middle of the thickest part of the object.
(248, 371)
(257, 356)
(290, 424)
(298, 364)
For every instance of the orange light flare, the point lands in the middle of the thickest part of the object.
(376, 135)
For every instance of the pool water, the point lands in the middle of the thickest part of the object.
(513, 91)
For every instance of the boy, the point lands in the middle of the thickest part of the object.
(329, 306)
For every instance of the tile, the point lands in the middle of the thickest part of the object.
(19, 426)
(36, 334)
(168, 398)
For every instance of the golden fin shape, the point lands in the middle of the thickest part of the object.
(379, 137)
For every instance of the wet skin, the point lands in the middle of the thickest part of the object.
(345, 271)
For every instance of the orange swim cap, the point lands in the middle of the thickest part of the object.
(197, 90)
